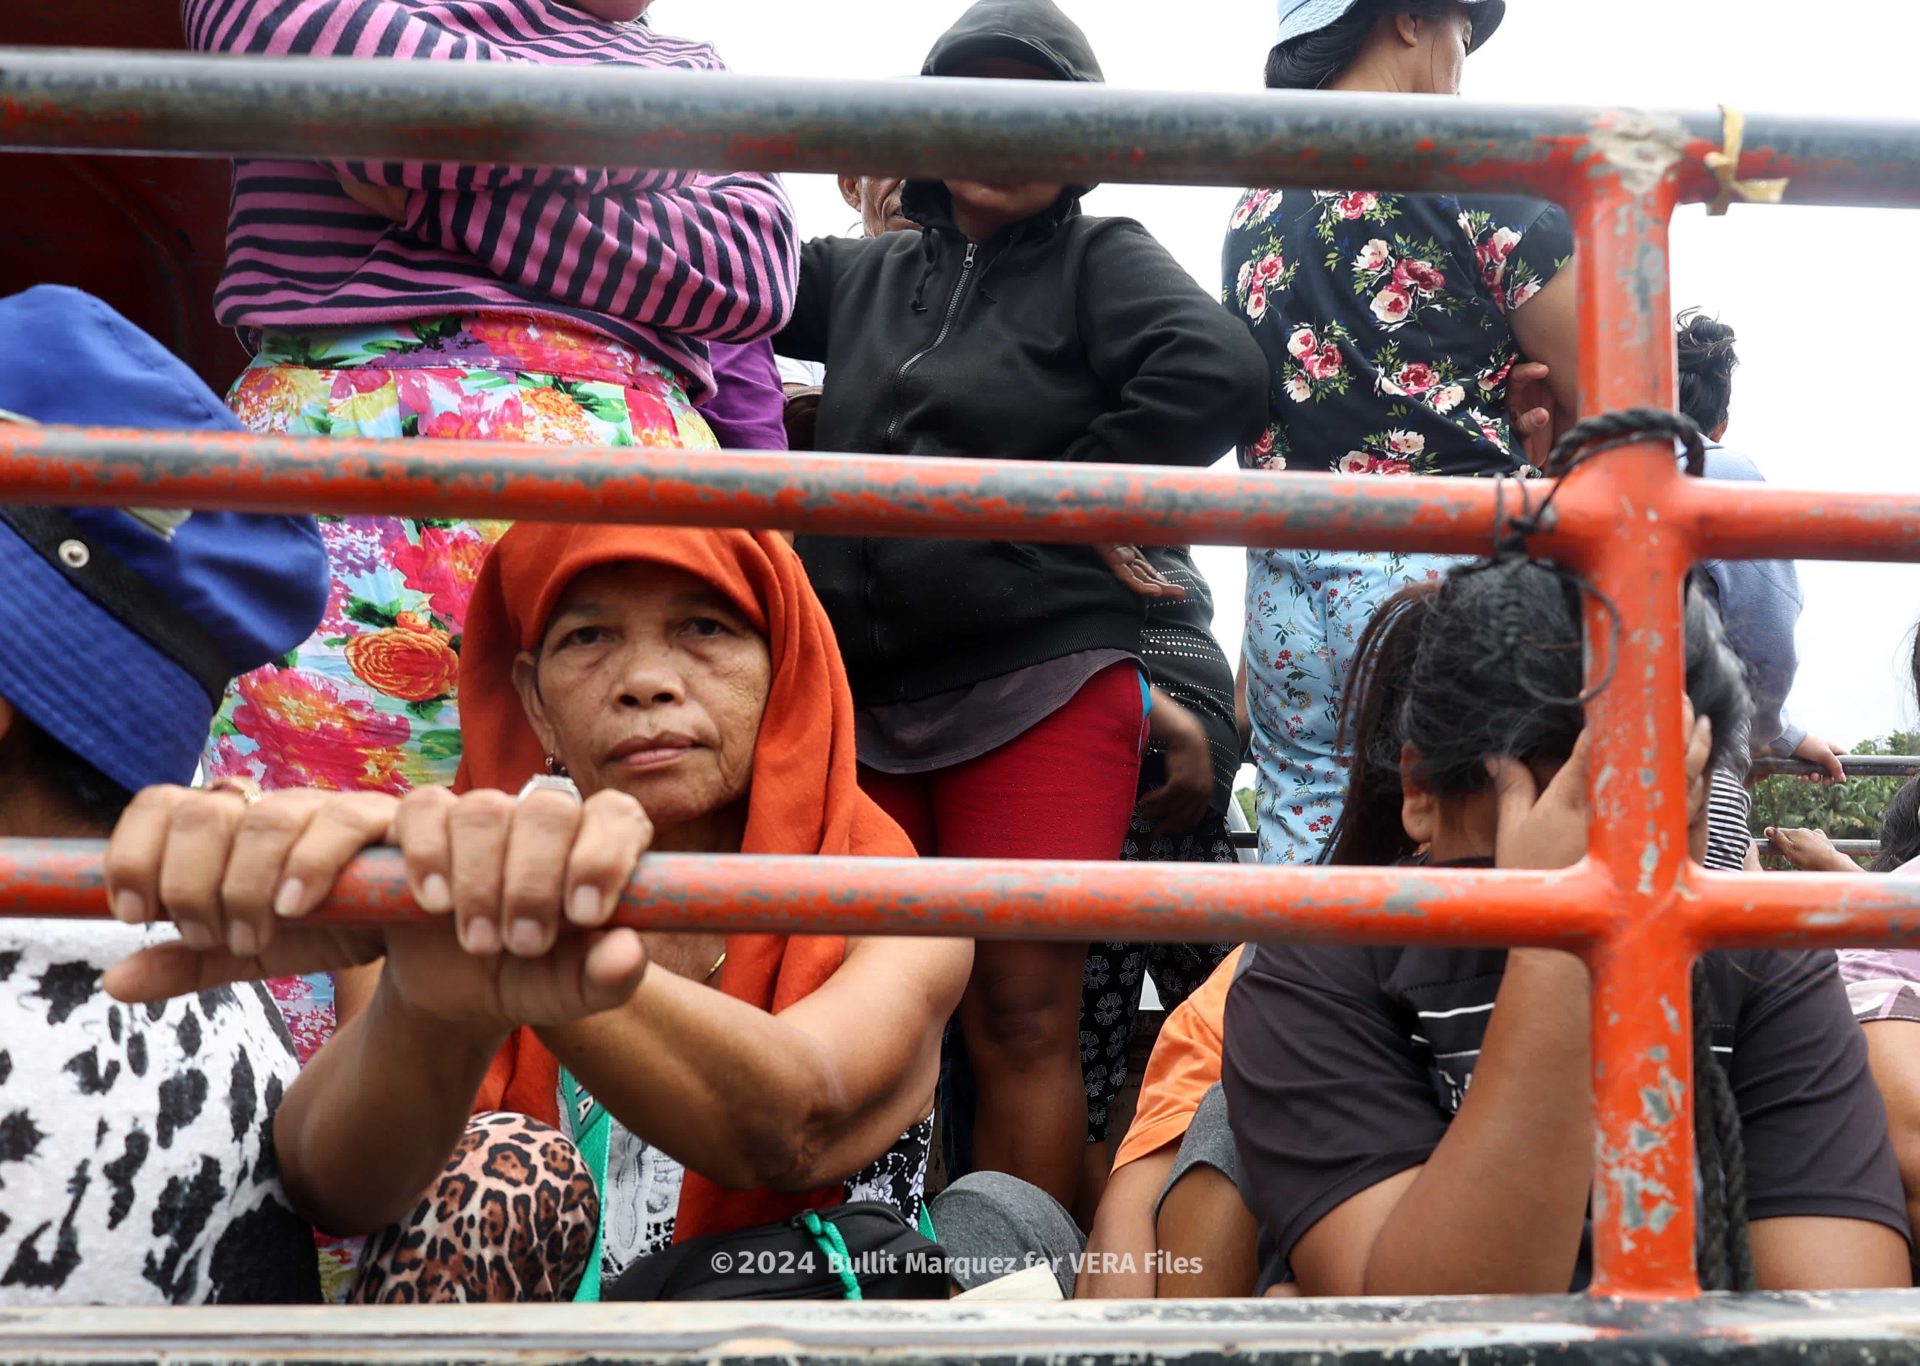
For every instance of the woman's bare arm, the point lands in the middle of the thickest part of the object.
(369, 1123)
(789, 1101)
(1547, 326)
(1828, 1254)
(390, 1082)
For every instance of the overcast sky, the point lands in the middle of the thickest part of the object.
(1821, 298)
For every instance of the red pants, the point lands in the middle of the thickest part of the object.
(1062, 790)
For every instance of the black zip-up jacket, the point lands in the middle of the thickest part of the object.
(1064, 337)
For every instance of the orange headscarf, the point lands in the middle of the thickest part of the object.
(805, 797)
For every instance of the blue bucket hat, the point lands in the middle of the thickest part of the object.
(1298, 18)
(121, 629)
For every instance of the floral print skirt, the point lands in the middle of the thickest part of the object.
(369, 703)
(1306, 610)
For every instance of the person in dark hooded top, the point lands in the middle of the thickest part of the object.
(1002, 707)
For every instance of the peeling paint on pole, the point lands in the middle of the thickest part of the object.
(1636, 910)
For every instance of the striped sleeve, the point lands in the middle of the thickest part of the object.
(714, 260)
(1729, 808)
(385, 28)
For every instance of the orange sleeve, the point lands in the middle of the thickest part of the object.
(1184, 1066)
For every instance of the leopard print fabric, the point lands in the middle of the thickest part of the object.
(510, 1221)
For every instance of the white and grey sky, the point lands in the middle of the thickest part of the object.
(1821, 298)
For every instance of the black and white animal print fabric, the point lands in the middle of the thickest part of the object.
(136, 1142)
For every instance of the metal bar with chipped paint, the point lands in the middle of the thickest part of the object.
(99, 100)
(981, 899)
(907, 495)
(872, 495)
(1799, 910)
(1643, 1201)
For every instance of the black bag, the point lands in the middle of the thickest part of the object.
(861, 1251)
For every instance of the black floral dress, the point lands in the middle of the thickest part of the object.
(1384, 320)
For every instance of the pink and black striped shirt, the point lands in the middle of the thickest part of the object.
(665, 261)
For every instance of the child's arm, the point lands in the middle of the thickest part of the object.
(808, 330)
(1181, 802)
(1547, 327)
(1119, 1264)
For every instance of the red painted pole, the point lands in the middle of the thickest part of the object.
(903, 496)
(1774, 521)
(1643, 1182)
(1801, 910)
(848, 494)
(1155, 902)
(985, 899)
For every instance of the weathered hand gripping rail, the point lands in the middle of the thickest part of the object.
(1635, 909)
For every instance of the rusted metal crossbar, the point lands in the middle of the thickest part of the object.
(1637, 910)
(1572, 909)
(911, 496)
(105, 101)
(1856, 765)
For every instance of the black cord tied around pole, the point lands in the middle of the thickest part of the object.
(1723, 1251)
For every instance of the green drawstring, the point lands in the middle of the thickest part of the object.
(836, 1249)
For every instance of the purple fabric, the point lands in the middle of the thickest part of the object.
(746, 409)
(1882, 984)
(662, 260)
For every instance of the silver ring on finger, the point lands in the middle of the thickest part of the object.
(550, 782)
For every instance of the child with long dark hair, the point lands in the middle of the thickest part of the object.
(1370, 1163)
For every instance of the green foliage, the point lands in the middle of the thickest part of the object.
(1846, 811)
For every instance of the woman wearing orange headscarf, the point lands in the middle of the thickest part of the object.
(688, 686)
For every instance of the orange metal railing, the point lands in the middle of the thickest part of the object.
(1636, 909)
